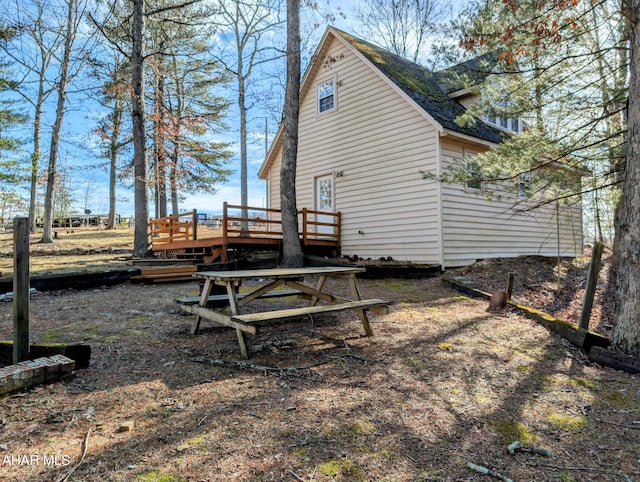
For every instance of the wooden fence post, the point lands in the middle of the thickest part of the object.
(510, 280)
(592, 282)
(20, 290)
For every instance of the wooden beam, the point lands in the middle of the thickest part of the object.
(218, 318)
(20, 290)
(592, 283)
(308, 310)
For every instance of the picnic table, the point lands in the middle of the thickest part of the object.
(320, 298)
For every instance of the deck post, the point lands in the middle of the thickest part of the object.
(338, 233)
(195, 225)
(304, 226)
(224, 222)
(225, 239)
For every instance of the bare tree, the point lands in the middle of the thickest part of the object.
(35, 47)
(401, 26)
(291, 250)
(74, 15)
(112, 129)
(253, 24)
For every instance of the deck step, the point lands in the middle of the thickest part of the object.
(224, 299)
(165, 274)
(309, 310)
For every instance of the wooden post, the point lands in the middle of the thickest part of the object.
(510, 285)
(225, 220)
(20, 290)
(195, 225)
(304, 226)
(592, 282)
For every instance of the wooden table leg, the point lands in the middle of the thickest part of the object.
(233, 308)
(204, 299)
(242, 341)
(319, 287)
(355, 293)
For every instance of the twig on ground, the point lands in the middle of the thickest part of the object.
(73, 419)
(85, 446)
(486, 471)
(296, 475)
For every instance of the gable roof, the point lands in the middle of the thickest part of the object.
(423, 88)
(472, 72)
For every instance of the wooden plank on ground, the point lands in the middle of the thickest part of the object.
(308, 310)
(155, 271)
(613, 359)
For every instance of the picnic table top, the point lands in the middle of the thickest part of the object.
(276, 273)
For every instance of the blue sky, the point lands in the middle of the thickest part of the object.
(91, 186)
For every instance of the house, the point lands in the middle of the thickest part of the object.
(371, 124)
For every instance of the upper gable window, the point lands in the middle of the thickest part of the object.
(326, 96)
(507, 123)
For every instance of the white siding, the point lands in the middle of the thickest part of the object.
(476, 228)
(380, 143)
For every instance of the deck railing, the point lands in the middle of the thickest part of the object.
(266, 222)
(177, 227)
(316, 227)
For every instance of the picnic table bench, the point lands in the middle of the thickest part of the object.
(292, 278)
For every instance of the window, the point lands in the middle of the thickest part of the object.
(325, 194)
(506, 123)
(474, 179)
(326, 96)
(524, 185)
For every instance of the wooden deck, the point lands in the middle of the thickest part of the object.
(240, 229)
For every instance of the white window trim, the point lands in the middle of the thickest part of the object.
(524, 178)
(495, 122)
(466, 183)
(335, 95)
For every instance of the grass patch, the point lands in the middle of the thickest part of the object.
(341, 469)
(157, 477)
(584, 383)
(56, 333)
(570, 423)
(512, 431)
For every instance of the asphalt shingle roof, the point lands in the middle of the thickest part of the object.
(427, 89)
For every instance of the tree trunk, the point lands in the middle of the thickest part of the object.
(291, 249)
(626, 335)
(141, 196)
(159, 147)
(35, 155)
(244, 197)
(173, 182)
(57, 125)
(113, 159)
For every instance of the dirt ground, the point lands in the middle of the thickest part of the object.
(443, 383)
